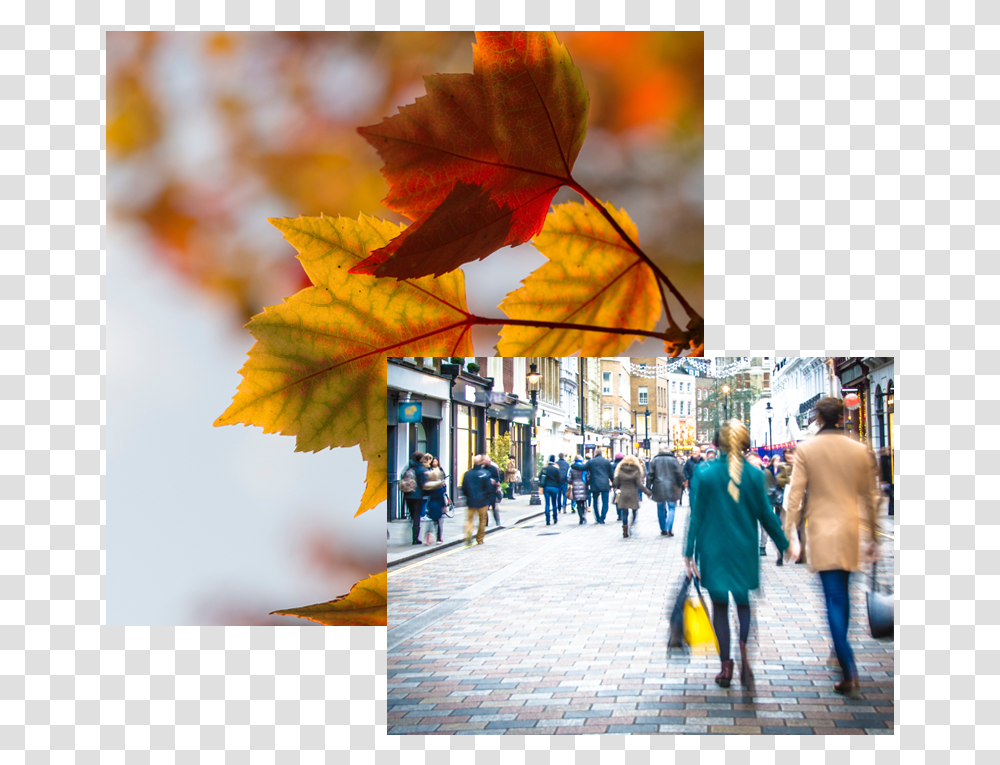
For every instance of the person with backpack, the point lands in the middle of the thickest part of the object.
(551, 481)
(411, 483)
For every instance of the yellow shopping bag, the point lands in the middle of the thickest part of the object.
(698, 632)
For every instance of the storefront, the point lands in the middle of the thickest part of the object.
(417, 413)
(469, 431)
(512, 419)
(853, 379)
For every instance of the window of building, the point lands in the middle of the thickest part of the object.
(467, 437)
(607, 383)
(607, 413)
(643, 394)
(689, 387)
(673, 386)
(689, 407)
(674, 407)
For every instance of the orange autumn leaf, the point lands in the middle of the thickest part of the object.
(318, 368)
(592, 278)
(477, 160)
(364, 606)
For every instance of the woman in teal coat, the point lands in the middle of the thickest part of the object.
(727, 504)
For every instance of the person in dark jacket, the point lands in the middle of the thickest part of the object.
(600, 483)
(435, 488)
(495, 475)
(666, 480)
(728, 501)
(477, 485)
(415, 499)
(564, 472)
(550, 480)
(578, 488)
(690, 465)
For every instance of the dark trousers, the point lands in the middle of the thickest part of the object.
(414, 506)
(581, 509)
(562, 495)
(551, 501)
(720, 621)
(604, 506)
(838, 613)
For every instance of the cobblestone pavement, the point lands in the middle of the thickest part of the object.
(563, 629)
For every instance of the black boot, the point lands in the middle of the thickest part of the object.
(625, 531)
(725, 677)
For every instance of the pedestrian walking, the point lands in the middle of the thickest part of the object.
(614, 466)
(578, 488)
(599, 475)
(550, 481)
(564, 480)
(495, 496)
(435, 487)
(690, 464)
(477, 486)
(630, 480)
(840, 476)
(666, 480)
(412, 485)
(510, 476)
(784, 483)
(728, 502)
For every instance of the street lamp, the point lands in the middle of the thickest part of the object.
(725, 390)
(770, 433)
(646, 440)
(635, 429)
(533, 377)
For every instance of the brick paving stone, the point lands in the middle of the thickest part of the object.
(733, 729)
(693, 729)
(583, 730)
(507, 724)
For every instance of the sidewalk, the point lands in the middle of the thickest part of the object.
(399, 547)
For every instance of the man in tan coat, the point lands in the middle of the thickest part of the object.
(840, 477)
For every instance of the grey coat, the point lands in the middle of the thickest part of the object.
(665, 478)
(599, 471)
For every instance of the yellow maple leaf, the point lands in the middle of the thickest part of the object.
(364, 606)
(592, 278)
(318, 368)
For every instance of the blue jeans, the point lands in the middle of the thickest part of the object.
(666, 518)
(604, 502)
(838, 612)
(562, 495)
(552, 500)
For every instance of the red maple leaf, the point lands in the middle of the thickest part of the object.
(475, 163)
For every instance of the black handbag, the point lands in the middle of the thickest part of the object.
(881, 610)
(676, 638)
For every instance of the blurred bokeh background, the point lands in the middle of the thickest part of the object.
(208, 135)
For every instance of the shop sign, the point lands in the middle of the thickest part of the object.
(410, 411)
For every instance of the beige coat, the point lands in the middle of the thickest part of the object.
(840, 476)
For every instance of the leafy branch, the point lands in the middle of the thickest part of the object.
(475, 164)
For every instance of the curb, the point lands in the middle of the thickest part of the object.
(460, 541)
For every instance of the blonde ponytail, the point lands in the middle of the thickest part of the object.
(735, 439)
